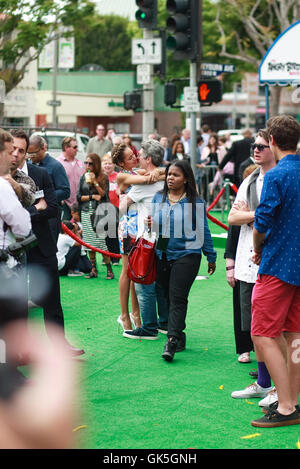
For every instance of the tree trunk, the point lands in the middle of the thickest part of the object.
(1, 113)
(275, 93)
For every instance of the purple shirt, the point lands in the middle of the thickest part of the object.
(74, 170)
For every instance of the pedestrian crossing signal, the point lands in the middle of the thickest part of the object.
(209, 91)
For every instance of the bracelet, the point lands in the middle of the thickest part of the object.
(96, 185)
(230, 267)
(91, 197)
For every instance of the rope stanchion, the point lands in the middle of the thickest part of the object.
(83, 243)
(216, 199)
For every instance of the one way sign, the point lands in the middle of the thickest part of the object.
(146, 51)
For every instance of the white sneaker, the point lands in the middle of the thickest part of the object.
(269, 399)
(75, 273)
(254, 390)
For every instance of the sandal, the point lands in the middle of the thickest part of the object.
(110, 275)
(244, 358)
(93, 273)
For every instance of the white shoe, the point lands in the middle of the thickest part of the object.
(269, 399)
(254, 390)
(75, 273)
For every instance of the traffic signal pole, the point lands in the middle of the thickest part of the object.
(194, 72)
(148, 97)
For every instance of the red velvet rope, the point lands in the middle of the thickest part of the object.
(213, 219)
(80, 241)
(111, 254)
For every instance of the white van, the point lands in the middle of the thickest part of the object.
(235, 134)
(54, 139)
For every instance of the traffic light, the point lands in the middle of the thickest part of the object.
(147, 14)
(209, 91)
(184, 25)
(161, 69)
(132, 100)
(170, 94)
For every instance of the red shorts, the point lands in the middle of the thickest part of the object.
(275, 307)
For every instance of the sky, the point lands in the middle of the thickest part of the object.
(126, 8)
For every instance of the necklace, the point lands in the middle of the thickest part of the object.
(178, 200)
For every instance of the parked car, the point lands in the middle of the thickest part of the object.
(54, 140)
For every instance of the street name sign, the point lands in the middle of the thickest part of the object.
(213, 70)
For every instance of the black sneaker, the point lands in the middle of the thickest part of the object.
(274, 419)
(181, 343)
(139, 333)
(253, 374)
(169, 349)
(274, 406)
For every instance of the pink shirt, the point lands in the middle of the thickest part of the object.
(74, 170)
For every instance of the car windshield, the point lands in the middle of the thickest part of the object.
(54, 141)
(85, 141)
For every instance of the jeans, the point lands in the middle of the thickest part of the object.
(176, 277)
(148, 297)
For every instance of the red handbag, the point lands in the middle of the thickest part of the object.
(141, 266)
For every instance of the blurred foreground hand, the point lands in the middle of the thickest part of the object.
(41, 414)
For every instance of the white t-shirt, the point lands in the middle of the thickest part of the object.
(142, 195)
(12, 213)
(245, 269)
(64, 244)
(14, 219)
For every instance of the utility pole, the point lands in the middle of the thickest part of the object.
(146, 16)
(193, 146)
(148, 96)
(54, 86)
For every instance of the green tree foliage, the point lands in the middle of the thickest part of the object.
(249, 27)
(106, 43)
(26, 26)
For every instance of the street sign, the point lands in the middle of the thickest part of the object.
(54, 103)
(190, 99)
(146, 51)
(213, 70)
(143, 74)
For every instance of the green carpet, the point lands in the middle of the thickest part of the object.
(131, 398)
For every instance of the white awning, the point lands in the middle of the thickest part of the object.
(281, 63)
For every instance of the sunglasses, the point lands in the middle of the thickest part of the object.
(75, 147)
(259, 146)
(89, 163)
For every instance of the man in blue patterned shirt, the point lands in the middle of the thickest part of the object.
(276, 296)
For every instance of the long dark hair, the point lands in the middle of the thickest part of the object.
(97, 168)
(190, 188)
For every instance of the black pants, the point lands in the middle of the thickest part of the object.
(72, 260)
(45, 269)
(176, 277)
(243, 341)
